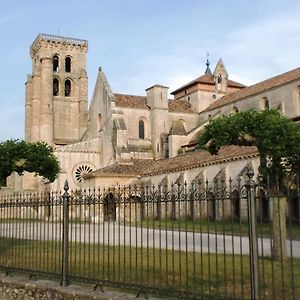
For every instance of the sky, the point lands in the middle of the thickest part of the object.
(139, 43)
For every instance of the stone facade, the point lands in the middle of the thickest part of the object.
(56, 91)
(119, 127)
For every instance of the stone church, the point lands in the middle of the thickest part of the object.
(121, 139)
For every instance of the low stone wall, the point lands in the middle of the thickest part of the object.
(17, 288)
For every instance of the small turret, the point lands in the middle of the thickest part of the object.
(207, 71)
(220, 77)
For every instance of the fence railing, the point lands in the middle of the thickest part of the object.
(221, 240)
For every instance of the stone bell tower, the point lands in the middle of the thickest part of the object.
(56, 91)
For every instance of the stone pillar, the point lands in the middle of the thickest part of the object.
(157, 99)
(28, 108)
(46, 121)
(35, 109)
(83, 103)
(279, 228)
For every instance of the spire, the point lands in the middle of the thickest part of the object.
(207, 71)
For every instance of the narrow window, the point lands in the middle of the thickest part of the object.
(266, 103)
(219, 78)
(67, 88)
(99, 122)
(279, 107)
(55, 63)
(68, 64)
(55, 87)
(141, 129)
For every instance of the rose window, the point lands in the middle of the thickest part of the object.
(80, 171)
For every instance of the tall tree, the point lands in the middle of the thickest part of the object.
(20, 156)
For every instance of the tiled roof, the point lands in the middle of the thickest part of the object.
(207, 79)
(132, 101)
(198, 158)
(257, 88)
(125, 168)
(180, 106)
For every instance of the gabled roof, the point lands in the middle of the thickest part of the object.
(128, 168)
(209, 80)
(180, 106)
(257, 88)
(133, 101)
(149, 167)
(199, 158)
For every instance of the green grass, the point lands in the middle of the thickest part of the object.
(214, 275)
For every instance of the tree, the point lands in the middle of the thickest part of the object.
(278, 142)
(20, 156)
(276, 138)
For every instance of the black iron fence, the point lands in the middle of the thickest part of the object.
(220, 240)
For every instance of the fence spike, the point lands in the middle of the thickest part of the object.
(66, 186)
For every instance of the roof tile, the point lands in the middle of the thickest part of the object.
(207, 79)
(257, 88)
(133, 101)
(197, 158)
(124, 168)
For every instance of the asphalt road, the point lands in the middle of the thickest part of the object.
(118, 234)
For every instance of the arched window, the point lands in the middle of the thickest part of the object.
(235, 110)
(266, 103)
(55, 87)
(67, 88)
(55, 63)
(68, 64)
(141, 129)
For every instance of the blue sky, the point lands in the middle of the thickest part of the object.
(143, 42)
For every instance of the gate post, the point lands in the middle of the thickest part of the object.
(251, 187)
(65, 237)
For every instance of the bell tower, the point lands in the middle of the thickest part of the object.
(56, 91)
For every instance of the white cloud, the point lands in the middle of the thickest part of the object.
(6, 19)
(265, 49)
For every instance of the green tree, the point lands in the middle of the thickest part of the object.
(276, 138)
(20, 156)
(278, 142)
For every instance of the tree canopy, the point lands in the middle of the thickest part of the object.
(20, 156)
(276, 137)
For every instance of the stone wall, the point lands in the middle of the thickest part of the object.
(17, 288)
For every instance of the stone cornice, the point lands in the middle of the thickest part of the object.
(66, 43)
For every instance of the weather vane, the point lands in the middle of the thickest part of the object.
(207, 59)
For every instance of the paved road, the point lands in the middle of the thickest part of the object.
(117, 234)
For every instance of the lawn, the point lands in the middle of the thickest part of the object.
(214, 276)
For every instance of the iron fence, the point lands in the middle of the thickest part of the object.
(221, 240)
